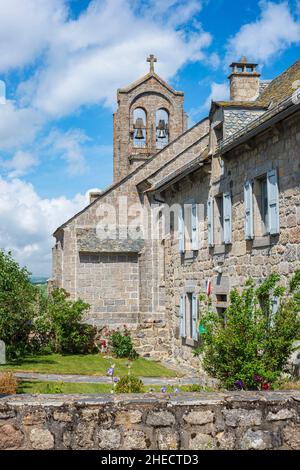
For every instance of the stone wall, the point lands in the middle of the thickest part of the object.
(241, 259)
(244, 421)
(114, 300)
(85, 279)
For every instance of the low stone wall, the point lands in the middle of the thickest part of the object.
(188, 421)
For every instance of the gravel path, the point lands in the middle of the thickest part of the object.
(103, 379)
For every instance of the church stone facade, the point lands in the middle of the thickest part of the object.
(216, 203)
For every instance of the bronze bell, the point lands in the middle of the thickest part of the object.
(139, 126)
(162, 127)
(139, 134)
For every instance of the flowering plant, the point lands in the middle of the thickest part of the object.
(249, 346)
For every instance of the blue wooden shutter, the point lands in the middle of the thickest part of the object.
(210, 221)
(194, 317)
(182, 317)
(195, 228)
(181, 230)
(248, 205)
(275, 304)
(273, 202)
(227, 217)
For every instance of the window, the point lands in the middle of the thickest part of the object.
(189, 316)
(139, 128)
(219, 215)
(262, 205)
(188, 227)
(261, 200)
(219, 221)
(221, 301)
(162, 128)
(219, 132)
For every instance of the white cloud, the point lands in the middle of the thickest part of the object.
(27, 222)
(20, 164)
(105, 48)
(18, 126)
(218, 92)
(68, 146)
(274, 31)
(26, 27)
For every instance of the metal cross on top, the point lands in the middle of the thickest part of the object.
(152, 59)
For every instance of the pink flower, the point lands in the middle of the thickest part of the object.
(265, 386)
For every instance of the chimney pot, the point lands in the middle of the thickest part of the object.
(244, 81)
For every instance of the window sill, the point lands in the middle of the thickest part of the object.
(190, 342)
(261, 242)
(189, 256)
(219, 249)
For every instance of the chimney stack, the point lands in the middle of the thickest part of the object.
(93, 195)
(244, 81)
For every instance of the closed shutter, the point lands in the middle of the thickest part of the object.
(273, 202)
(194, 317)
(248, 204)
(210, 221)
(182, 317)
(181, 230)
(227, 218)
(195, 228)
(275, 304)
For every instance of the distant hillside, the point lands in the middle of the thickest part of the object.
(38, 280)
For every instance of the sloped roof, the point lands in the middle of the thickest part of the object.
(146, 77)
(181, 172)
(279, 89)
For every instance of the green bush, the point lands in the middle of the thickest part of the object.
(18, 305)
(60, 327)
(129, 384)
(121, 345)
(30, 322)
(252, 348)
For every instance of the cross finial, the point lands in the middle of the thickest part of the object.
(152, 59)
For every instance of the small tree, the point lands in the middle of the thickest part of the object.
(61, 325)
(251, 347)
(17, 306)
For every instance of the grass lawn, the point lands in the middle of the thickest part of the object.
(36, 387)
(92, 364)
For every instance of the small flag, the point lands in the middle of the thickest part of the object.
(208, 287)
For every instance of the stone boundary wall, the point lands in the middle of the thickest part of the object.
(201, 421)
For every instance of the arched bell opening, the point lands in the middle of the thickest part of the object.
(139, 128)
(162, 128)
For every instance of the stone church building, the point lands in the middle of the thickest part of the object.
(188, 208)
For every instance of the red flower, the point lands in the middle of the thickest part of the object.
(265, 386)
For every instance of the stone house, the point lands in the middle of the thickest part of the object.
(188, 208)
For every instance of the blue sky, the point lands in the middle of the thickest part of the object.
(62, 62)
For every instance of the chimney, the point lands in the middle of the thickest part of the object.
(93, 195)
(244, 81)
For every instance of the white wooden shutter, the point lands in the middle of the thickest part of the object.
(227, 218)
(273, 202)
(195, 227)
(182, 317)
(248, 205)
(210, 221)
(194, 317)
(181, 230)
